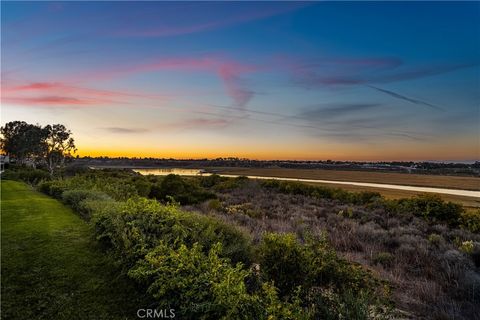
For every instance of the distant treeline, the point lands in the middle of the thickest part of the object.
(469, 169)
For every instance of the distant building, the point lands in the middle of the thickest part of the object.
(3, 160)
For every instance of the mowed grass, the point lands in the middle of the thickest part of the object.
(52, 267)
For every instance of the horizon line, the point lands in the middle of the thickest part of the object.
(232, 158)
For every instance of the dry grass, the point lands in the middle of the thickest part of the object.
(467, 183)
(431, 277)
(454, 182)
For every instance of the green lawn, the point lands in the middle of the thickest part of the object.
(51, 267)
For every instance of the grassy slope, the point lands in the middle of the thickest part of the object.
(51, 265)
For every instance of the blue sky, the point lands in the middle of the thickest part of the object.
(276, 80)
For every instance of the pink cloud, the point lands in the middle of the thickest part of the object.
(233, 86)
(57, 93)
(229, 71)
(66, 88)
(50, 100)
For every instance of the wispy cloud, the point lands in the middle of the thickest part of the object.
(125, 130)
(368, 71)
(328, 71)
(50, 100)
(67, 88)
(354, 71)
(59, 93)
(408, 99)
(187, 26)
(417, 73)
(198, 123)
(340, 110)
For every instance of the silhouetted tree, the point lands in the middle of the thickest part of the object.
(22, 141)
(50, 145)
(59, 146)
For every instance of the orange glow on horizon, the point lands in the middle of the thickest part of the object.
(350, 155)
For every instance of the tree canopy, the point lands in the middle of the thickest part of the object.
(31, 143)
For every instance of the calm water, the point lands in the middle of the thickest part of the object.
(167, 171)
(195, 172)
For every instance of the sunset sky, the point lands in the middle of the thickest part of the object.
(284, 80)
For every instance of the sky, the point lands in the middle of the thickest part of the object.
(370, 81)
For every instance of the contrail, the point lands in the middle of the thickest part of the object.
(402, 97)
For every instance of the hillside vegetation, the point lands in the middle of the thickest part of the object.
(213, 247)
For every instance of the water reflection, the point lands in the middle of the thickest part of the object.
(167, 171)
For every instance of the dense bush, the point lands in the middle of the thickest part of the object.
(211, 180)
(119, 186)
(205, 286)
(314, 269)
(200, 265)
(364, 197)
(471, 220)
(219, 183)
(80, 200)
(432, 208)
(26, 174)
(134, 227)
(53, 188)
(182, 190)
(73, 170)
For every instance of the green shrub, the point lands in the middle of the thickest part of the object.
(44, 186)
(283, 261)
(467, 247)
(331, 305)
(119, 190)
(54, 188)
(435, 239)
(211, 180)
(143, 186)
(471, 220)
(184, 191)
(236, 245)
(73, 170)
(214, 204)
(230, 183)
(194, 263)
(365, 197)
(432, 208)
(136, 226)
(322, 192)
(205, 286)
(289, 264)
(321, 276)
(77, 200)
(197, 284)
(10, 174)
(26, 174)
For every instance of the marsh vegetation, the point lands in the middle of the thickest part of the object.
(214, 247)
